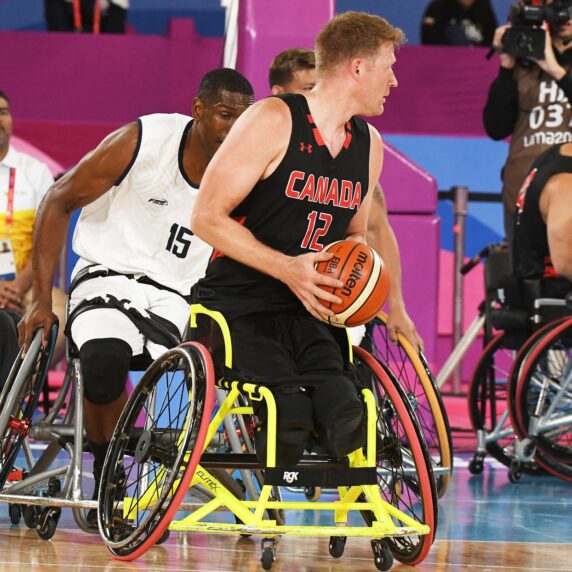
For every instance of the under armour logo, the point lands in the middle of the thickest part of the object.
(290, 476)
(307, 148)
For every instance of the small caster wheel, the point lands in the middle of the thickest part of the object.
(31, 515)
(54, 487)
(382, 557)
(268, 553)
(476, 465)
(514, 472)
(48, 522)
(15, 512)
(164, 537)
(312, 493)
(337, 546)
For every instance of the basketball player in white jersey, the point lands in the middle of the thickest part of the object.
(137, 190)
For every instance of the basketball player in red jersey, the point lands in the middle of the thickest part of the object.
(296, 174)
(294, 71)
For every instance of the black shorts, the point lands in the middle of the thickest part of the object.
(284, 348)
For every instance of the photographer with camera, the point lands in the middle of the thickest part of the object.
(530, 98)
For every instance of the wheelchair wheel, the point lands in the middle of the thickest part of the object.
(19, 398)
(544, 394)
(488, 409)
(155, 449)
(404, 468)
(412, 371)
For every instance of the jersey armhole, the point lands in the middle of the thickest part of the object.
(136, 152)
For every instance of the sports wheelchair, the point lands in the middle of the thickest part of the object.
(38, 492)
(184, 442)
(516, 317)
(540, 396)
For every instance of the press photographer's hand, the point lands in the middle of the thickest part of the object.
(550, 64)
(506, 61)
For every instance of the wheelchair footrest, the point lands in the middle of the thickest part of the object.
(320, 476)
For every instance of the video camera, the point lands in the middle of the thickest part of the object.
(525, 38)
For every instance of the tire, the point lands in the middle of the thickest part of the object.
(519, 363)
(155, 449)
(541, 378)
(487, 401)
(19, 398)
(410, 485)
(412, 371)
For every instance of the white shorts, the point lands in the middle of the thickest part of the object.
(98, 323)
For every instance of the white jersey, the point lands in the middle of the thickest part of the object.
(142, 225)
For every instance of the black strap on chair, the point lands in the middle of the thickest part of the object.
(98, 271)
(153, 327)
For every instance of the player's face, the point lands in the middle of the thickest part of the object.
(378, 79)
(5, 122)
(302, 82)
(216, 116)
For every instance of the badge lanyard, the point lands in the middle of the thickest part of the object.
(10, 205)
(77, 24)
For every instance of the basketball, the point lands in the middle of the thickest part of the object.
(365, 278)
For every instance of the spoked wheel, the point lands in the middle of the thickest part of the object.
(404, 468)
(543, 398)
(488, 409)
(412, 371)
(19, 398)
(155, 449)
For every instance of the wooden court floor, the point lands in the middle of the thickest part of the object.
(487, 524)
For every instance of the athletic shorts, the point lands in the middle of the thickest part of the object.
(98, 323)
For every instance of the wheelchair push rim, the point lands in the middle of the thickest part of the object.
(414, 375)
(156, 461)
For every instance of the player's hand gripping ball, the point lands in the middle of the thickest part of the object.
(365, 278)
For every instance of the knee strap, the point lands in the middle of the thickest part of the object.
(153, 327)
(105, 365)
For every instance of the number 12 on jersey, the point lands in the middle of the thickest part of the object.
(318, 225)
(179, 241)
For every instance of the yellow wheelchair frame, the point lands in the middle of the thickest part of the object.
(252, 515)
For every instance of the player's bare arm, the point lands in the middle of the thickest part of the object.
(556, 210)
(357, 228)
(94, 175)
(251, 152)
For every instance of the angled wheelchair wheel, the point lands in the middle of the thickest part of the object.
(412, 371)
(19, 398)
(404, 467)
(488, 403)
(543, 399)
(154, 451)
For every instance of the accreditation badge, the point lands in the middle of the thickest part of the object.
(7, 261)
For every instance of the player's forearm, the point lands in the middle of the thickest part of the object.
(383, 241)
(49, 237)
(237, 242)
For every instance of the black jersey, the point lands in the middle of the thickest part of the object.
(305, 204)
(531, 255)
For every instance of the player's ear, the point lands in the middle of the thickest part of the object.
(198, 108)
(276, 89)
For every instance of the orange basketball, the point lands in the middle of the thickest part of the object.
(365, 278)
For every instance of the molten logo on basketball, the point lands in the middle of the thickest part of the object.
(356, 274)
(364, 278)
